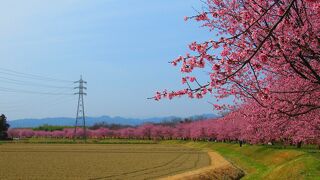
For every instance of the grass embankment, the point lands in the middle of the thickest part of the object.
(266, 162)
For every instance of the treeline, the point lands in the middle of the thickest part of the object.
(114, 126)
(51, 128)
(247, 124)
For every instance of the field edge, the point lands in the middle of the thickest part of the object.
(220, 168)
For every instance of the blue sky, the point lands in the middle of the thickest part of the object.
(121, 48)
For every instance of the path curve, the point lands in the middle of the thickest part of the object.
(220, 168)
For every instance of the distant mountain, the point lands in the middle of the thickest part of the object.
(65, 121)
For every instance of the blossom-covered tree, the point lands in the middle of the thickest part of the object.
(267, 51)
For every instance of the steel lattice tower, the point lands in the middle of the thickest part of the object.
(80, 109)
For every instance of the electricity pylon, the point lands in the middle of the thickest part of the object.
(80, 109)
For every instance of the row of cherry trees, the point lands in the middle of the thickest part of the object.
(248, 123)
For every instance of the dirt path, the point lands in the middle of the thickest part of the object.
(220, 168)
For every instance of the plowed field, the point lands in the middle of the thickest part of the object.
(94, 161)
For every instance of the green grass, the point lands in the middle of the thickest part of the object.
(264, 162)
(47, 127)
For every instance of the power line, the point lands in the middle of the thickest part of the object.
(50, 104)
(31, 76)
(25, 79)
(26, 83)
(22, 102)
(11, 90)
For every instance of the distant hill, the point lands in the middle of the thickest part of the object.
(65, 121)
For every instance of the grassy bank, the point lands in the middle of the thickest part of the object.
(265, 162)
